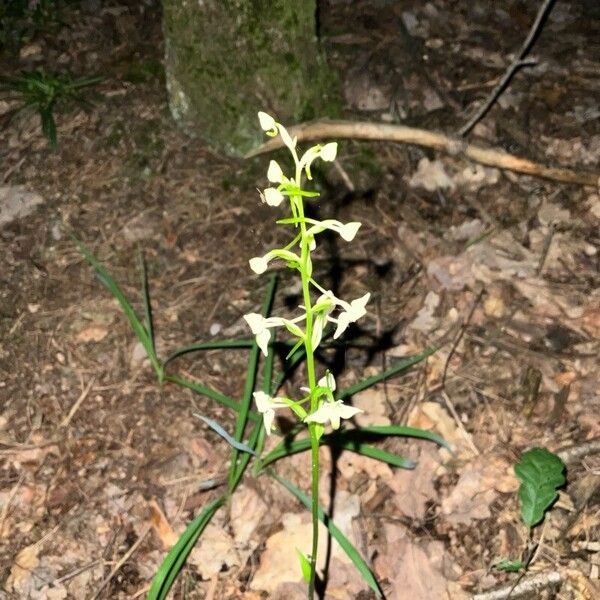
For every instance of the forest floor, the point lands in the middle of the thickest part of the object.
(101, 468)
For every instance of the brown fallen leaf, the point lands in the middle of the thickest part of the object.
(93, 333)
(413, 568)
(20, 572)
(478, 486)
(161, 526)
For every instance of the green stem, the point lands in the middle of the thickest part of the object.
(312, 382)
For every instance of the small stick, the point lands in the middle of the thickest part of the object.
(9, 500)
(78, 403)
(364, 130)
(518, 63)
(545, 250)
(121, 562)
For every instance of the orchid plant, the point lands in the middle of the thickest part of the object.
(321, 404)
(318, 407)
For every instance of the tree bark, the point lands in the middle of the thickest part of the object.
(227, 59)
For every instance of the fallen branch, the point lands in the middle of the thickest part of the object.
(529, 587)
(364, 130)
(518, 63)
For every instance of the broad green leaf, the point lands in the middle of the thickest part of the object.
(175, 559)
(340, 538)
(541, 474)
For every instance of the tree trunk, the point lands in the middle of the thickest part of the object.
(227, 59)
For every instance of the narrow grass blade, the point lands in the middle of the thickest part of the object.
(218, 429)
(212, 394)
(148, 322)
(340, 538)
(286, 448)
(175, 559)
(111, 285)
(355, 440)
(249, 386)
(400, 366)
(216, 345)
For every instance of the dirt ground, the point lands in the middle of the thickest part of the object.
(101, 468)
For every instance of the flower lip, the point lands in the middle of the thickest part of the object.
(332, 412)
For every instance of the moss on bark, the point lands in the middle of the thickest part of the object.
(228, 59)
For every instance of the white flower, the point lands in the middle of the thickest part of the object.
(352, 312)
(346, 230)
(274, 172)
(307, 159)
(272, 196)
(332, 412)
(267, 122)
(260, 327)
(323, 306)
(329, 151)
(266, 405)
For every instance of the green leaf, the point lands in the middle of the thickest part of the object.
(175, 559)
(249, 386)
(218, 429)
(541, 474)
(49, 127)
(216, 345)
(509, 565)
(304, 566)
(401, 365)
(341, 539)
(355, 440)
(148, 322)
(212, 394)
(111, 285)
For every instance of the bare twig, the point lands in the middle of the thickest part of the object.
(518, 63)
(492, 157)
(528, 587)
(78, 403)
(121, 562)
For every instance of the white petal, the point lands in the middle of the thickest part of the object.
(329, 151)
(255, 321)
(262, 339)
(327, 381)
(274, 172)
(263, 401)
(348, 231)
(259, 264)
(343, 322)
(267, 122)
(273, 197)
(287, 140)
(357, 307)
